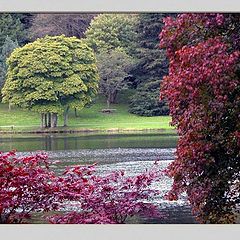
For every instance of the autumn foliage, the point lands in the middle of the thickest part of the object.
(111, 198)
(27, 186)
(79, 195)
(203, 92)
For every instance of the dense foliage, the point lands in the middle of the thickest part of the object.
(114, 67)
(203, 91)
(152, 65)
(110, 31)
(26, 187)
(113, 38)
(152, 62)
(11, 26)
(50, 76)
(79, 194)
(5, 52)
(111, 198)
(13, 31)
(145, 102)
(135, 34)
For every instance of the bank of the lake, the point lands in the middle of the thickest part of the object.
(89, 119)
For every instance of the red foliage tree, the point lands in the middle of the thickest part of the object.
(106, 199)
(203, 92)
(27, 186)
(80, 196)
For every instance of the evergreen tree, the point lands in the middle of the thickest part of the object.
(26, 20)
(7, 48)
(146, 100)
(11, 26)
(152, 64)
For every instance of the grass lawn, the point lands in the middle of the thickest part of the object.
(88, 119)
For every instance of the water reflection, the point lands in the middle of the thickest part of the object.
(54, 142)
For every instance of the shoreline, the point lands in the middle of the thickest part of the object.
(72, 131)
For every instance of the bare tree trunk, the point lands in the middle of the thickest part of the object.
(55, 119)
(65, 117)
(111, 98)
(49, 119)
(9, 106)
(42, 120)
(108, 102)
(45, 120)
(52, 120)
(75, 111)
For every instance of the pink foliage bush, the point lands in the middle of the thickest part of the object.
(106, 199)
(79, 194)
(26, 187)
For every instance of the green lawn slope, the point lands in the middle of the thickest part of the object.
(89, 119)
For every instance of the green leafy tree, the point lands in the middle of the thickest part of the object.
(113, 38)
(114, 67)
(11, 26)
(152, 65)
(6, 50)
(111, 31)
(50, 76)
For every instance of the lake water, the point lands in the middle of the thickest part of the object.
(130, 152)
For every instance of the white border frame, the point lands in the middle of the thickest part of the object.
(119, 5)
(123, 232)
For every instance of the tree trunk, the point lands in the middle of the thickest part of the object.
(111, 98)
(55, 119)
(45, 120)
(42, 120)
(49, 120)
(9, 106)
(53, 116)
(75, 111)
(108, 102)
(65, 117)
(114, 97)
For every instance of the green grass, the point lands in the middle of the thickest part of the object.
(88, 119)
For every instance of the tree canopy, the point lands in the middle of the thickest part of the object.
(113, 38)
(6, 50)
(28, 185)
(151, 66)
(12, 27)
(203, 92)
(145, 102)
(111, 31)
(51, 75)
(114, 68)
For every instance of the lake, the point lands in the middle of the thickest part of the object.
(133, 152)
